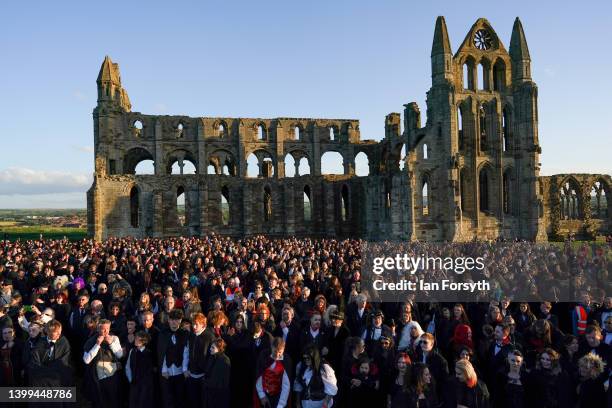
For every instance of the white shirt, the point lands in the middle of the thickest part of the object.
(104, 369)
(286, 387)
(173, 369)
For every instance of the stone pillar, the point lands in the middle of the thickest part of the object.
(159, 150)
(202, 165)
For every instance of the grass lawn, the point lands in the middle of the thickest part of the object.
(12, 232)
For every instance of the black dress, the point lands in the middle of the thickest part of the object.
(217, 381)
(239, 351)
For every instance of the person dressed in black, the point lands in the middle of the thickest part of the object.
(336, 337)
(173, 357)
(200, 340)
(548, 385)
(239, 350)
(426, 353)
(399, 392)
(217, 376)
(465, 389)
(510, 383)
(101, 355)
(49, 364)
(422, 388)
(591, 390)
(139, 371)
(364, 384)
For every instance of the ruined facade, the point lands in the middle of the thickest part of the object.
(472, 170)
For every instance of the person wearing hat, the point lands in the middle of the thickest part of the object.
(6, 292)
(375, 330)
(336, 337)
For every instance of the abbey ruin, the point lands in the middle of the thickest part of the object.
(472, 170)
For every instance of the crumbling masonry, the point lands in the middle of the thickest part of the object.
(471, 171)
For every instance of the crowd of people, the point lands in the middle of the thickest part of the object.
(263, 322)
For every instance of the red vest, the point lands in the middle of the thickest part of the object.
(581, 319)
(272, 379)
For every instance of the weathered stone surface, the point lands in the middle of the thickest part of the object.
(472, 170)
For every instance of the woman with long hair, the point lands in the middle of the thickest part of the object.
(399, 392)
(315, 383)
(422, 388)
(548, 384)
(410, 336)
(191, 302)
(465, 389)
(239, 350)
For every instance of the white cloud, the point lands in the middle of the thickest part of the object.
(56, 200)
(18, 180)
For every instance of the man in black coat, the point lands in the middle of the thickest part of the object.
(49, 363)
(376, 329)
(497, 354)
(139, 372)
(173, 359)
(313, 334)
(438, 366)
(357, 316)
(289, 330)
(336, 337)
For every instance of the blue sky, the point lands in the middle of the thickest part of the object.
(338, 59)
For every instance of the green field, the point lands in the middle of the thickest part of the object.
(23, 233)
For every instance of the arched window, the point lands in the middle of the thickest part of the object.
(483, 129)
(180, 206)
(362, 164)
(332, 133)
(134, 207)
(137, 125)
(570, 205)
(267, 204)
(425, 151)
(145, 167)
(179, 130)
(307, 204)
(468, 74)
(252, 169)
(297, 133)
(221, 130)
(507, 191)
(402, 160)
(183, 167)
(505, 131)
(481, 77)
(304, 167)
(499, 75)
(483, 190)
(211, 169)
(225, 206)
(460, 139)
(290, 165)
(599, 201)
(344, 203)
(261, 132)
(425, 196)
(332, 163)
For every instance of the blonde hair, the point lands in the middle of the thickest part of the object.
(594, 363)
(471, 379)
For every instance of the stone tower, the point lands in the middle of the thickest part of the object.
(475, 163)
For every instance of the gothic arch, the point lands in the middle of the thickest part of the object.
(570, 199)
(599, 195)
(135, 207)
(133, 157)
(486, 188)
(180, 156)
